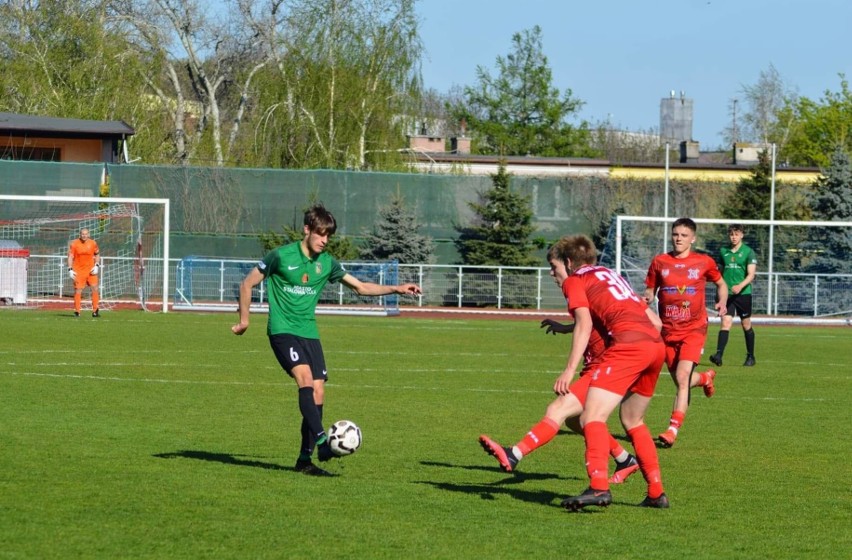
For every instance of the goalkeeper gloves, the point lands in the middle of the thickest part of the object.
(72, 274)
(95, 270)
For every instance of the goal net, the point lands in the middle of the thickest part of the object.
(210, 284)
(804, 269)
(132, 235)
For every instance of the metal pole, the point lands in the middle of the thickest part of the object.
(666, 232)
(771, 235)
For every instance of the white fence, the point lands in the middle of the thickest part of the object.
(457, 287)
(532, 288)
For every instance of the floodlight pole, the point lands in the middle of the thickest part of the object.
(666, 205)
(769, 306)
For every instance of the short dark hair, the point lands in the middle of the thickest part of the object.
(685, 222)
(736, 227)
(320, 220)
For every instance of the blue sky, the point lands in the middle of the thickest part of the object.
(623, 56)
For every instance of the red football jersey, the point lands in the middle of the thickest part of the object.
(682, 287)
(617, 312)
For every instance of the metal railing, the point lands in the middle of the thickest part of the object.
(457, 286)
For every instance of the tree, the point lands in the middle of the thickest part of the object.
(759, 113)
(752, 196)
(502, 229)
(342, 72)
(831, 200)
(63, 59)
(519, 112)
(818, 127)
(202, 65)
(395, 236)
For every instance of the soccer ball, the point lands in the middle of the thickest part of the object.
(344, 437)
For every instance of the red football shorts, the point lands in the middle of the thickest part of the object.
(684, 346)
(632, 367)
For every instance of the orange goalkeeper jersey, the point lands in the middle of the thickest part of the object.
(83, 254)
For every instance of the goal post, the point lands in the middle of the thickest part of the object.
(803, 266)
(132, 235)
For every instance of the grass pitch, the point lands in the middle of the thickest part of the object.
(165, 436)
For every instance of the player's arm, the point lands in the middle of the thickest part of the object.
(650, 283)
(655, 319)
(721, 296)
(556, 327)
(751, 272)
(71, 272)
(372, 289)
(251, 280)
(96, 268)
(579, 342)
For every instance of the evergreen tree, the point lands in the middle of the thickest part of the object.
(752, 197)
(502, 233)
(519, 111)
(830, 249)
(395, 237)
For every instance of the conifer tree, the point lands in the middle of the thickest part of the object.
(830, 249)
(395, 236)
(501, 234)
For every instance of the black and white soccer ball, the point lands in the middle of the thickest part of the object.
(344, 437)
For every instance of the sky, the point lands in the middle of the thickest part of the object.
(621, 57)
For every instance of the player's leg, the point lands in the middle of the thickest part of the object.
(748, 332)
(294, 357)
(724, 331)
(96, 297)
(683, 372)
(79, 284)
(563, 407)
(632, 415)
(599, 405)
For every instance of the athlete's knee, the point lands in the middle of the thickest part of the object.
(564, 407)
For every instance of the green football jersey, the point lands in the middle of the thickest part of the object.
(294, 283)
(735, 265)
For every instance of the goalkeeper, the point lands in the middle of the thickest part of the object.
(84, 266)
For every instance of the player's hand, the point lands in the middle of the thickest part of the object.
(95, 270)
(409, 289)
(72, 274)
(239, 328)
(560, 387)
(554, 327)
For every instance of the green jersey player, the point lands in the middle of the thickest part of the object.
(739, 265)
(295, 275)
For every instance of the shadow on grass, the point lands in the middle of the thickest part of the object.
(225, 458)
(511, 478)
(489, 491)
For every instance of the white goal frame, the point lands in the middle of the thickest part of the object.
(666, 234)
(164, 202)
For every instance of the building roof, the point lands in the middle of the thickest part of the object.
(12, 124)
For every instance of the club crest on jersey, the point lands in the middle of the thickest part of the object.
(305, 278)
(665, 272)
(692, 274)
(318, 268)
